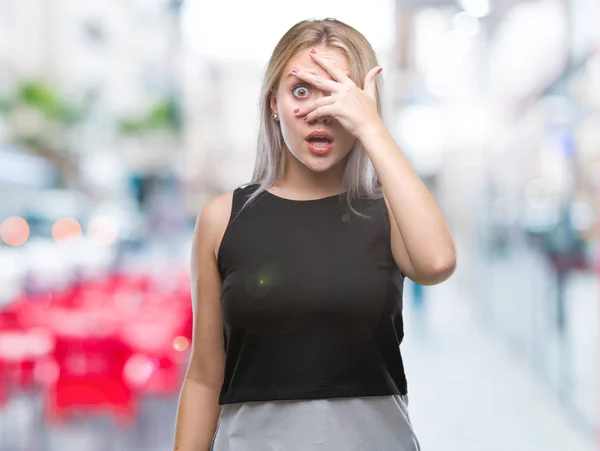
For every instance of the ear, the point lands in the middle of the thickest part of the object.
(273, 102)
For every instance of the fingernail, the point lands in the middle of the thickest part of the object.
(313, 51)
(380, 69)
(294, 70)
(296, 110)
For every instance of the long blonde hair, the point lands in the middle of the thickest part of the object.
(359, 178)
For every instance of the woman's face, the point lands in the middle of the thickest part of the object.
(293, 93)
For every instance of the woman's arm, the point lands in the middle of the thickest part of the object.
(198, 410)
(422, 243)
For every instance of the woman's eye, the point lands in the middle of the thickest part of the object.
(300, 91)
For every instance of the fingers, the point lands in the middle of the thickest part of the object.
(318, 82)
(335, 72)
(312, 106)
(322, 111)
(370, 81)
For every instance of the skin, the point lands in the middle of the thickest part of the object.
(421, 242)
(307, 175)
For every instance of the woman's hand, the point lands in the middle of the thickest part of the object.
(354, 108)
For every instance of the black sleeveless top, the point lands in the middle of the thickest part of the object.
(311, 300)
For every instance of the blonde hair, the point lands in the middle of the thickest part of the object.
(359, 178)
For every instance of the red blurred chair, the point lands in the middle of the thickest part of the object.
(90, 379)
(111, 339)
(20, 353)
(154, 336)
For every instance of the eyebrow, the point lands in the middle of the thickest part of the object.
(294, 75)
(312, 73)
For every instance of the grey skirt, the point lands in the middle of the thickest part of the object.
(378, 423)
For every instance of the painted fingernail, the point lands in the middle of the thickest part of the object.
(294, 70)
(313, 51)
(296, 110)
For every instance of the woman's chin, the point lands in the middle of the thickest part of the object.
(320, 164)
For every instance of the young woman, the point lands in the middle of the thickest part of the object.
(298, 276)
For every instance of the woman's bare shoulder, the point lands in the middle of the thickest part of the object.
(217, 209)
(215, 214)
(213, 219)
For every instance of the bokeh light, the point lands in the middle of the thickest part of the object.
(14, 231)
(103, 231)
(138, 369)
(66, 229)
(180, 343)
(46, 371)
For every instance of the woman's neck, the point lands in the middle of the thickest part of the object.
(300, 181)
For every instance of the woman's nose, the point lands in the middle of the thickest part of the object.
(325, 120)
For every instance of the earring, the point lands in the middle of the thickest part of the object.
(275, 117)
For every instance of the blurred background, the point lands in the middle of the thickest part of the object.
(119, 119)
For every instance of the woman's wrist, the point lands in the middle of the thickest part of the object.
(372, 134)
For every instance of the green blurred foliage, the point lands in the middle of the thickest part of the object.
(164, 115)
(47, 100)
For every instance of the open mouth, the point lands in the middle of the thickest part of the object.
(319, 142)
